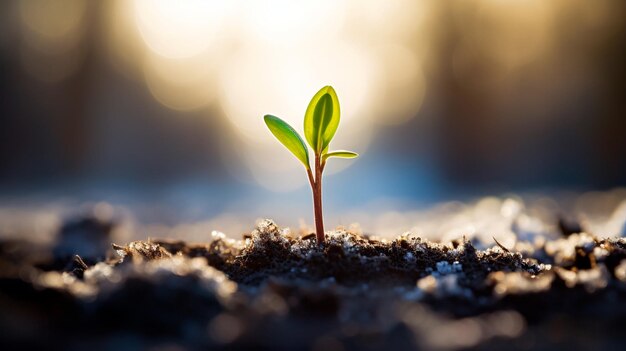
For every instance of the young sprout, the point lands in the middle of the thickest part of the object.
(320, 124)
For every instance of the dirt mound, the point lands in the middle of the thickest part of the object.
(275, 290)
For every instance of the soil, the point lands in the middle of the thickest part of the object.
(274, 290)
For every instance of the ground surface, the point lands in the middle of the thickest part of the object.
(561, 289)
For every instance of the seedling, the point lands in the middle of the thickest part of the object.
(320, 124)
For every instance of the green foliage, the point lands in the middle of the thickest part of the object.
(320, 124)
(340, 154)
(288, 137)
(322, 119)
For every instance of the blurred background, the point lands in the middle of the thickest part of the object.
(155, 107)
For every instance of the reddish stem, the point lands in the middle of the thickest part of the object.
(316, 187)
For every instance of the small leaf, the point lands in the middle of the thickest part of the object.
(340, 154)
(322, 119)
(288, 137)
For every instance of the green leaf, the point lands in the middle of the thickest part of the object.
(340, 154)
(322, 119)
(288, 137)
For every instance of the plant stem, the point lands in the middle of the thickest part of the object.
(316, 187)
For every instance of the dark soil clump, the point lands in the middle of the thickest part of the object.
(277, 291)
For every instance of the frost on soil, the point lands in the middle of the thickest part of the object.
(279, 290)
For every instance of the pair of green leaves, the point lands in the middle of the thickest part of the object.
(320, 124)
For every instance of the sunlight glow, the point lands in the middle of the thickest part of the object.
(243, 59)
(178, 29)
(259, 57)
(179, 84)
